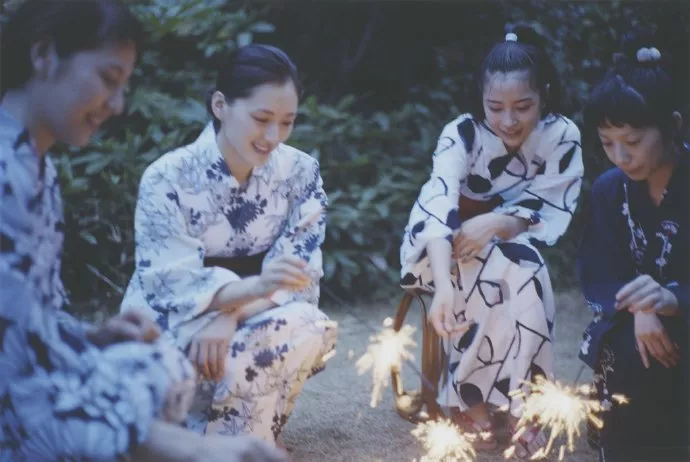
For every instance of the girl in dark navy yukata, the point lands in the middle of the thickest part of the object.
(633, 264)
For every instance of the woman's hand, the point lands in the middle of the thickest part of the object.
(209, 348)
(283, 273)
(441, 314)
(646, 295)
(653, 339)
(172, 443)
(476, 233)
(223, 448)
(127, 327)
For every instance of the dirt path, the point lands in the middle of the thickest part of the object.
(333, 422)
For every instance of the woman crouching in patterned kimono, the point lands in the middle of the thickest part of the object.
(228, 260)
(634, 263)
(505, 179)
(68, 390)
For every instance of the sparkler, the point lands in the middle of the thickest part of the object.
(444, 442)
(558, 408)
(387, 350)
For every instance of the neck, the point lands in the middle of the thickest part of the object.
(240, 169)
(18, 104)
(658, 181)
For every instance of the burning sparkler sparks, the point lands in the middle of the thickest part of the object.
(444, 442)
(387, 350)
(560, 409)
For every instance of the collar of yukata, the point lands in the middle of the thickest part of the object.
(207, 142)
(678, 185)
(23, 144)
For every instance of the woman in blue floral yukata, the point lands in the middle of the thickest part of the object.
(228, 260)
(71, 391)
(506, 179)
(634, 263)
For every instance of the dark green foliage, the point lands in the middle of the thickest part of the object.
(377, 97)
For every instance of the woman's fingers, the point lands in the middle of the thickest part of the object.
(203, 359)
(212, 359)
(220, 359)
(460, 328)
(288, 276)
(642, 349)
(669, 350)
(635, 300)
(149, 330)
(647, 304)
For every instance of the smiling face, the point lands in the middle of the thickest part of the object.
(252, 127)
(512, 106)
(639, 152)
(76, 95)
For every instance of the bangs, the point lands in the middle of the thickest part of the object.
(615, 103)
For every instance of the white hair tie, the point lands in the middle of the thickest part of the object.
(648, 55)
(511, 37)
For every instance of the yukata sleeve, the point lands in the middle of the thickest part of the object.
(17, 255)
(170, 282)
(549, 202)
(61, 398)
(435, 211)
(304, 231)
(66, 399)
(603, 264)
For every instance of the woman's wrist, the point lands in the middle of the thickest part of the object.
(507, 227)
(670, 305)
(238, 293)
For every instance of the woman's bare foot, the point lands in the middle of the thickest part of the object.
(280, 444)
(531, 440)
(477, 420)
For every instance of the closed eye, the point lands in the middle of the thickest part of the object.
(110, 81)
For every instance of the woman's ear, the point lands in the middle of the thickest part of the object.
(218, 105)
(44, 59)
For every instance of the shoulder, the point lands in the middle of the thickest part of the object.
(178, 160)
(288, 159)
(14, 140)
(19, 163)
(464, 129)
(608, 186)
(463, 123)
(560, 128)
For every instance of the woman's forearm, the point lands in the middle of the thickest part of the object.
(257, 306)
(439, 251)
(509, 227)
(237, 294)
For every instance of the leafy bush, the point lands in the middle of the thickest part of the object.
(373, 162)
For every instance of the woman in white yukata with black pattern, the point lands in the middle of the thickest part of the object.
(505, 180)
(228, 259)
(68, 390)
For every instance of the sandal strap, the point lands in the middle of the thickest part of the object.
(534, 430)
(476, 426)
